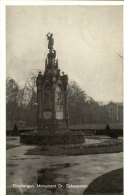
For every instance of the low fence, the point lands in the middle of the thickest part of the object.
(119, 132)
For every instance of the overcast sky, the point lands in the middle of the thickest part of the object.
(87, 39)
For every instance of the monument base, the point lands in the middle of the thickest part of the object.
(52, 139)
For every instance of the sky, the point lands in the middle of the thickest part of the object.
(87, 39)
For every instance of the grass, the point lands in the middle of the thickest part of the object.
(109, 183)
(62, 150)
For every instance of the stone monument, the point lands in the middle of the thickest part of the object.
(52, 96)
(52, 106)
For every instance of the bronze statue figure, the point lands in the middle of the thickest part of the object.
(51, 40)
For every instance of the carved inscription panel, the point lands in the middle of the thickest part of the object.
(47, 115)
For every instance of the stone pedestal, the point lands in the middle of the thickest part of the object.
(52, 97)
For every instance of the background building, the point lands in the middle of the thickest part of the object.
(115, 112)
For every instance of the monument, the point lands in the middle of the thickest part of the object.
(52, 105)
(52, 96)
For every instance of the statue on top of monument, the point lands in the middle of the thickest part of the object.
(51, 40)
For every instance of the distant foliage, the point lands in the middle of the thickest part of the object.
(12, 91)
(83, 109)
(22, 103)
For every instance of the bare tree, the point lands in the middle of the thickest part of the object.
(12, 94)
(120, 56)
(28, 92)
